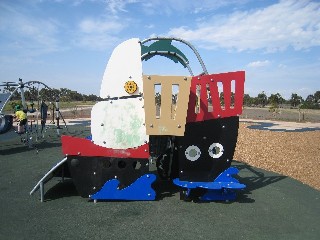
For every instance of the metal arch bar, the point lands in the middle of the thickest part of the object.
(169, 53)
(32, 82)
(185, 42)
(8, 99)
(19, 86)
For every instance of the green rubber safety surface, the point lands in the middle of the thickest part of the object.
(271, 207)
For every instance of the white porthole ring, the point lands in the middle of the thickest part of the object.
(213, 150)
(192, 153)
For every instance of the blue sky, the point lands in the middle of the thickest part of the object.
(67, 43)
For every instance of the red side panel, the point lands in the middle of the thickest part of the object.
(208, 85)
(84, 147)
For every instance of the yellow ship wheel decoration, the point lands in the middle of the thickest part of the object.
(130, 87)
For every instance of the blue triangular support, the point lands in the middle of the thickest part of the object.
(140, 190)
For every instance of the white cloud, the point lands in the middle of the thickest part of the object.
(282, 66)
(98, 34)
(259, 63)
(96, 42)
(274, 28)
(150, 26)
(170, 7)
(99, 25)
(116, 6)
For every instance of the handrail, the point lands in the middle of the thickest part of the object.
(183, 41)
(47, 176)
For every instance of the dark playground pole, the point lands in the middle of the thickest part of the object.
(57, 114)
(52, 113)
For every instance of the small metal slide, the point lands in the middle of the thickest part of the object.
(47, 177)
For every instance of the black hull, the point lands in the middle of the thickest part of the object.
(202, 135)
(89, 174)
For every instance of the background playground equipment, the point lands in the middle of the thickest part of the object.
(179, 122)
(33, 129)
(57, 115)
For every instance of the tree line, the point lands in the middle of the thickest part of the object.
(312, 101)
(33, 94)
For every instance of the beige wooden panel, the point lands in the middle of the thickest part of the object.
(172, 119)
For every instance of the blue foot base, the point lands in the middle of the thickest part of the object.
(221, 189)
(140, 190)
(219, 195)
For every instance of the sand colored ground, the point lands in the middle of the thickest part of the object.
(294, 154)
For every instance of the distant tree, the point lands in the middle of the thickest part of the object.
(174, 98)
(27, 95)
(310, 99)
(209, 95)
(222, 99)
(65, 95)
(33, 94)
(158, 99)
(75, 96)
(8, 88)
(255, 101)
(262, 99)
(247, 100)
(92, 98)
(308, 103)
(275, 99)
(317, 96)
(295, 100)
(232, 98)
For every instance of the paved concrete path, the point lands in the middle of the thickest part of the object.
(281, 125)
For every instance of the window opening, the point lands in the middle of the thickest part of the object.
(221, 95)
(174, 100)
(209, 99)
(198, 94)
(233, 90)
(157, 99)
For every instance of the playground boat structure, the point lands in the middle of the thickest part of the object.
(191, 134)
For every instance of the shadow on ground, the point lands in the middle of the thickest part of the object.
(21, 148)
(62, 189)
(252, 177)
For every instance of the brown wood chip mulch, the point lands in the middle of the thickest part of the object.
(293, 154)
